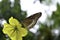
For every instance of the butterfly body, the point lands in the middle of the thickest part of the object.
(30, 21)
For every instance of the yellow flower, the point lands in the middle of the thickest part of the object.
(14, 29)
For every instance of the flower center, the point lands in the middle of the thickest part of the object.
(16, 28)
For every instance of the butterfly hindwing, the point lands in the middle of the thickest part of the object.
(30, 21)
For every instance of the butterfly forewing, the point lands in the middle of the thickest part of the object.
(30, 21)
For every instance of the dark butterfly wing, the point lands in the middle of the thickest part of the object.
(30, 21)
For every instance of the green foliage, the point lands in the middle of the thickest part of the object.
(2, 36)
(30, 36)
(45, 1)
(56, 16)
(6, 11)
(41, 0)
(45, 31)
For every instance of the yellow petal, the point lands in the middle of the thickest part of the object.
(15, 35)
(23, 32)
(13, 21)
(7, 28)
(11, 32)
(16, 38)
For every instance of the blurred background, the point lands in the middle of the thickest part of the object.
(46, 28)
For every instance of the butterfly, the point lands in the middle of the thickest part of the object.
(30, 21)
